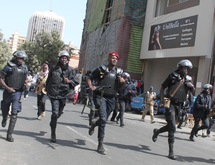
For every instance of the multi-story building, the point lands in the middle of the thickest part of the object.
(47, 21)
(185, 29)
(15, 41)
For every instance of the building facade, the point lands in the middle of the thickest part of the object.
(47, 21)
(15, 41)
(184, 30)
(113, 25)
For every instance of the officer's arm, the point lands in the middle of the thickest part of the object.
(4, 85)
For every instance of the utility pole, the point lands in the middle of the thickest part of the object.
(50, 5)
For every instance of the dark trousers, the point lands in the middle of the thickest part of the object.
(171, 120)
(205, 124)
(122, 105)
(106, 107)
(11, 99)
(57, 109)
(41, 100)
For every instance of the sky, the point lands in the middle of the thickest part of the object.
(15, 15)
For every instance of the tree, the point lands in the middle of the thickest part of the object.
(48, 46)
(5, 53)
(32, 61)
(45, 48)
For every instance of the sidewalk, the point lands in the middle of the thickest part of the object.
(161, 120)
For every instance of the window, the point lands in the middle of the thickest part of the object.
(169, 6)
(107, 14)
(175, 2)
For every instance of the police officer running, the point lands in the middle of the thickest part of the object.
(13, 79)
(61, 79)
(107, 76)
(124, 95)
(177, 89)
(202, 106)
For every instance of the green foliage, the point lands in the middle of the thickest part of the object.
(5, 54)
(45, 48)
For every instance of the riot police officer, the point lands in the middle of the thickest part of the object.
(202, 106)
(177, 89)
(12, 78)
(109, 79)
(61, 79)
(124, 95)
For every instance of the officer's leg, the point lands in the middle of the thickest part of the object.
(5, 106)
(195, 129)
(97, 102)
(62, 103)
(205, 124)
(101, 126)
(53, 123)
(10, 130)
(122, 110)
(172, 129)
(165, 128)
(16, 108)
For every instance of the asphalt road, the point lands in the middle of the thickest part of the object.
(131, 144)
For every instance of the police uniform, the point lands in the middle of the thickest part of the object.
(124, 96)
(14, 77)
(104, 98)
(178, 85)
(202, 106)
(58, 90)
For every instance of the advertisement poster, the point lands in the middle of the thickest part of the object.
(173, 34)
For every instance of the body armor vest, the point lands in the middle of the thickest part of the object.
(109, 80)
(17, 79)
(180, 93)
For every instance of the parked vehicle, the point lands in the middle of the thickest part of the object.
(137, 104)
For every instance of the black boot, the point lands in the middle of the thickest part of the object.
(53, 125)
(100, 148)
(121, 123)
(4, 122)
(171, 152)
(155, 135)
(53, 135)
(91, 130)
(11, 128)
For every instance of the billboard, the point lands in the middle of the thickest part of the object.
(173, 34)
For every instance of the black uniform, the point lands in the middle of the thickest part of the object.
(171, 83)
(14, 77)
(124, 96)
(58, 91)
(202, 106)
(104, 98)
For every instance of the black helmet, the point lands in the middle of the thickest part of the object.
(63, 53)
(185, 63)
(20, 54)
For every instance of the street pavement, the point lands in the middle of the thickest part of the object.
(131, 144)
